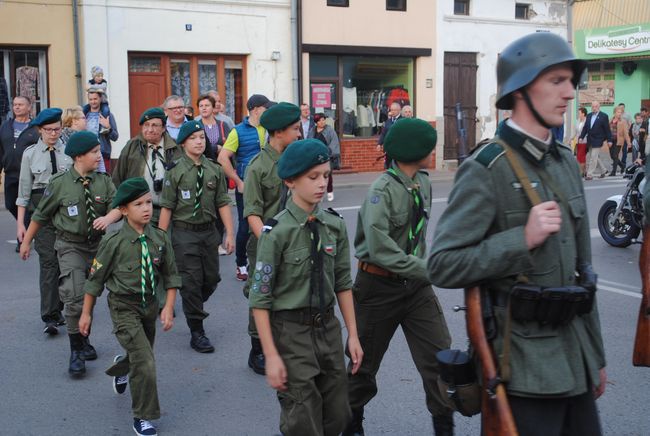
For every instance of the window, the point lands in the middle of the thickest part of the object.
(597, 84)
(522, 11)
(461, 7)
(396, 5)
(340, 3)
(25, 73)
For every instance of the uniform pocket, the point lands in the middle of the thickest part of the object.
(399, 220)
(516, 218)
(577, 205)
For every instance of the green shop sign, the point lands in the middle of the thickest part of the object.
(632, 40)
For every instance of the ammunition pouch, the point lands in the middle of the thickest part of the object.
(458, 382)
(552, 305)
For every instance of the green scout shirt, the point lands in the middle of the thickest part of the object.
(134, 155)
(282, 275)
(118, 263)
(480, 240)
(36, 169)
(262, 185)
(384, 221)
(179, 191)
(63, 202)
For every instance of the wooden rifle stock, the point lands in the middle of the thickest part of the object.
(641, 356)
(496, 416)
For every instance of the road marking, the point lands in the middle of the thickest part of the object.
(621, 285)
(590, 188)
(619, 291)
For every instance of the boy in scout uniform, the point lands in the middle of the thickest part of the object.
(41, 161)
(131, 262)
(77, 202)
(265, 195)
(302, 265)
(517, 224)
(193, 194)
(392, 288)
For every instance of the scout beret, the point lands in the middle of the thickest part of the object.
(279, 116)
(129, 190)
(409, 140)
(81, 143)
(300, 156)
(47, 116)
(187, 129)
(257, 100)
(151, 113)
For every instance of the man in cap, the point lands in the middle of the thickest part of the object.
(265, 195)
(244, 143)
(392, 288)
(517, 225)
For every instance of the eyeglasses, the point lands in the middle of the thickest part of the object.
(176, 108)
(50, 130)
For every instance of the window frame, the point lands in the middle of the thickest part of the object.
(466, 7)
(338, 3)
(400, 8)
(526, 8)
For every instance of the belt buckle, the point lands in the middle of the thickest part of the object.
(316, 319)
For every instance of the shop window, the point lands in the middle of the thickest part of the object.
(396, 5)
(25, 73)
(461, 7)
(323, 66)
(522, 11)
(599, 84)
(340, 3)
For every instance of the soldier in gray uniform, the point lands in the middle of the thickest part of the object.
(517, 224)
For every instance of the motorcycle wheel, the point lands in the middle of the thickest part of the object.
(615, 234)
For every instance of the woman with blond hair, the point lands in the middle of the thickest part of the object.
(73, 120)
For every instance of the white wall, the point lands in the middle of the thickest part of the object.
(488, 29)
(112, 28)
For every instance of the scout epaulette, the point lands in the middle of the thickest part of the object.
(426, 173)
(268, 225)
(488, 153)
(333, 212)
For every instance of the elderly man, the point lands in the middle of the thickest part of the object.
(394, 114)
(148, 155)
(306, 120)
(219, 110)
(597, 132)
(407, 111)
(174, 107)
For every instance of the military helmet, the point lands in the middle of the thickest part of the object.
(524, 59)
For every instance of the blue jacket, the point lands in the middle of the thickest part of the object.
(599, 133)
(106, 136)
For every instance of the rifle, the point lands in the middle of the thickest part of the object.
(641, 355)
(462, 134)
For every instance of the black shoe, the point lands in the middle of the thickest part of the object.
(612, 174)
(60, 319)
(355, 426)
(120, 382)
(50, 328)
(143, 427)
(88, 352)
(256, 362)
(200, 342)
(77, 364)
(443, 425)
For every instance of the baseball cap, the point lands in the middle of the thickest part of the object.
(257, 100)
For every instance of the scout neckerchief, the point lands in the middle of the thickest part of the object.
(317, 277)
(52, 151)
(417, 216)
(146, 270)
(155, 156)
(199, 189)
(90, 207)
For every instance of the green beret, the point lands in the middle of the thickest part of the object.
(80, 143)
(151, 113)
(409, 140)
(280, 116)
(187, 129)
(129, 190)
(300, 156)
(47, 116)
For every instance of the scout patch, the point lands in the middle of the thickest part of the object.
(156, 261)
(258, 266)
(212, 185)
(168, 182)
(265, 289)
(95, 266)
(73, 211)
(98, 198)
(517, 185)
(267, 268)
(266, 278)
(374, 199)
(329, 249)
(185, 195)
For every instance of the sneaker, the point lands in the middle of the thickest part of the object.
(50, 328)
(120, 383)
(242, 273)
(330, 196)
(143, 427)
(222, 251)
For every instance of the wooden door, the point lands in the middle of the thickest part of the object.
(459, 87)
(145, 90)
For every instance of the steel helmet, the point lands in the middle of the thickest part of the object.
(524, 59)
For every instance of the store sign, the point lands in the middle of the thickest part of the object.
(321, 96)
(629, 43)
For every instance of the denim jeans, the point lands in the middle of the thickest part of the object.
(242, 232)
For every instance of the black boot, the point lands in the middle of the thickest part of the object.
(77, 364)
(256, 357)
(87, 351)
(355, 426)
(200, 342)
(443, 425)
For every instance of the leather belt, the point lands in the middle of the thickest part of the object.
(304, 316)
(377, 270)
(73, 237)
(194, 227)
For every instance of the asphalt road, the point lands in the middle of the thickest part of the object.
(217, 394)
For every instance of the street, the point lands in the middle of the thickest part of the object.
(217, 394)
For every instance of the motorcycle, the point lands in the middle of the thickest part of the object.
(620, 218)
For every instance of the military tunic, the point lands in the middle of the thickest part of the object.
(403, 296)
(118, 266)
(35, 173)
(195, 238)
(63, 204)
(316, 400)
(480, 239)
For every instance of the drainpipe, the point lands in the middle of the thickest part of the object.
(77, 55)
(295, 79)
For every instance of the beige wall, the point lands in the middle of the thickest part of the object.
(48, 24)
(368, 23)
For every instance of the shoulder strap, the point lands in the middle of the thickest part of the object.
(515, 164)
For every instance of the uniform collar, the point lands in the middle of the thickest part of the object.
(300, 215)
(533, 148)
(73, 172)
(133, 236)
(188, 160)
(273, 153)
(408, 182)
(58, 146)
